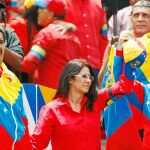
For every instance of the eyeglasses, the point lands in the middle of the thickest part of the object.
(85, 77)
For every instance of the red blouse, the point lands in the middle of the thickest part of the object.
(67, 129)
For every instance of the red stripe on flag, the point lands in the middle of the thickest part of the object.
(125, 138)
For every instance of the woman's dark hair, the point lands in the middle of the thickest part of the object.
(31, 16)
(71, 69)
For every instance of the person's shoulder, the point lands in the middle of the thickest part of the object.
(47, 28)
(125, 10)
(9, 32)
(43, 35)
(9, 29)
(56, 103)
(47, 31)
(50, 32)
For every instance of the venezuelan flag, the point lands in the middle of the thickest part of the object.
(142, 102)
(121, 131)
(37, 53)
(35, 96)
(142, 73)
(138, 99)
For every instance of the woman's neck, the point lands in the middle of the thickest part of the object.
(75, 101)
(75, 98)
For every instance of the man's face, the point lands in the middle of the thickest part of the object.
(141, 20)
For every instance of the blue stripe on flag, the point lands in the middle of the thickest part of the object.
(146, 107)
(116, 115)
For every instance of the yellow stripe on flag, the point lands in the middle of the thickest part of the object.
(47, 93)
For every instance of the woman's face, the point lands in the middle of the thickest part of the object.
(82, 81)
(2, 47)
(44, 16)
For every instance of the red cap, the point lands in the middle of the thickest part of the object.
(57, 6)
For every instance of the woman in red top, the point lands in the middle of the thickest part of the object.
(71, 121)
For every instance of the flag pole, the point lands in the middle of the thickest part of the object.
(114, 13)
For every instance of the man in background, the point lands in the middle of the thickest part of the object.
(13, 50)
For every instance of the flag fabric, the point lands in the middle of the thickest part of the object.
(34, 97)
(146, 110)
(18, 106)
(13, 121)
(121, 131)
(142, 75)
(142, 102)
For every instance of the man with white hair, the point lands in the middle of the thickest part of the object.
(140, 18)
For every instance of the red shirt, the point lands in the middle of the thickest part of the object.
(90, 19)
(53, 52)
(67, 129)
(19, 24)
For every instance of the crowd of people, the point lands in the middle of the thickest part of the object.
(64, 45)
